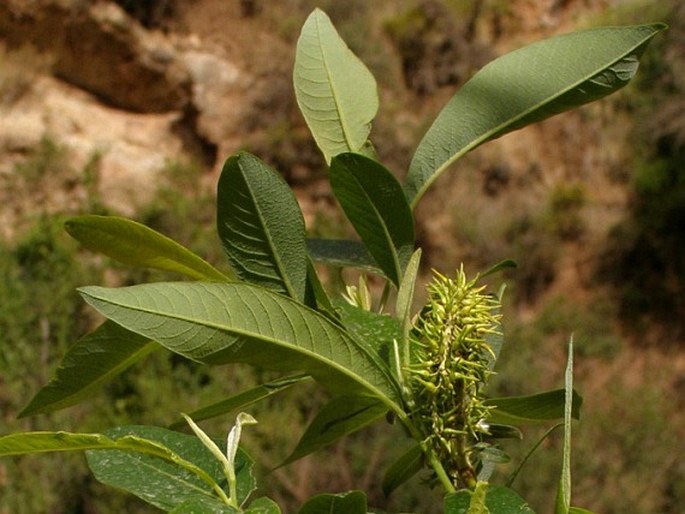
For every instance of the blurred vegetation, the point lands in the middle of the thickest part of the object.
(645, 258)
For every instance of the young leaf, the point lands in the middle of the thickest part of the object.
(220, 323)
(403, 304)
(563, 503)
(90, 362)
(137, 245)
(165, 481)
(261, 226)
(342, 253)
(375, 204)
(353, 502)
(536, 408)
(526, 86)
(498, 500)
(242, 399)
(341, 416)
(315, 295)
(141, 460)
(335, 91)
(408, 465)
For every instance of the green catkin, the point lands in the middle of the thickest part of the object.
(450, 366)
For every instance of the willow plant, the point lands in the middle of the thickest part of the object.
(377, 358)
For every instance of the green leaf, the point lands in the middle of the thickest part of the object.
(405, 467)
(375, 204)
(142, 460)
(341, 416)
(498, 500)
(342, 253)
(563, 503)
(525, 86)
(261, 226)
(164, 480)
(220, 323)
(536, 408)
(134, 244)
(579, 510)
(373, 331)
(405, 298)
(242, 399)
(316, 296)
(263, 505)
(202, 505)
(335, 91)
(90, 362)
(353, 502)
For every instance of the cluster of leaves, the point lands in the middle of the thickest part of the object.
(269, 309)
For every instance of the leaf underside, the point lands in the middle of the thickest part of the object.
(261, 226)
(525, 86)
(335, 91)
(221, 323)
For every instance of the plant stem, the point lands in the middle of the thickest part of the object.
(439, 471)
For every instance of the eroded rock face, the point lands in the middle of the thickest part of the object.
(130, 151)
(98, 47)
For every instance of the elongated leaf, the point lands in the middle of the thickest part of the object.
(525, 86)
(261, 226)
(220, 323)
(353, 502)
(408, 465)
(162, 481)
(498, 500)
(134, 244)
(335, 91)
(342, 253)
(563, 503)
(316, 296)
(90, 362)
(536, 408)
(242, 399)
(405, 293)
(341, 416)
(375, 204)
(158, 465)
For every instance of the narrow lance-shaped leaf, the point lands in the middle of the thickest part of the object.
(242, 399)
(536, 408)
(405, 467)
(335, 91)
(341, 416)
(90, 362)
(353, 502)
(261, 226)
(526, 86)
(220, 323)
(134, 244)
(342, 253)
(375, 204)
(563, 503)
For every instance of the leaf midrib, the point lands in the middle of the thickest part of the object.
(334, 95)
(385, 398)
(476, 142)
